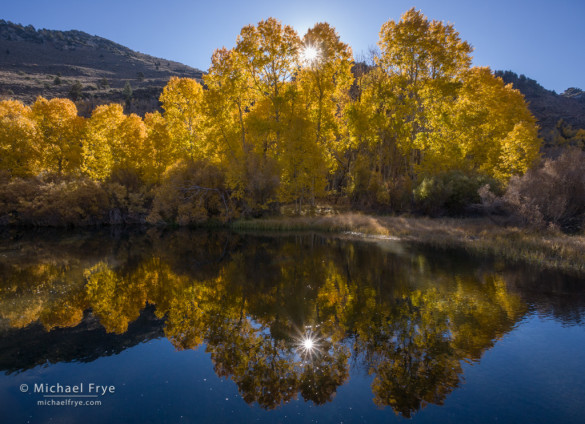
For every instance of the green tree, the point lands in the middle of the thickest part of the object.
(127, 93)
(76, 91)
(103, 83)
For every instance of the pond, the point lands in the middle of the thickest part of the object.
(180, 326)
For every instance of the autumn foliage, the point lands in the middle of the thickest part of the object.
(282, 119)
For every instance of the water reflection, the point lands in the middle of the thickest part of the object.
(406, 317)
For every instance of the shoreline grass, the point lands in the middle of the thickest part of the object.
(480, 236)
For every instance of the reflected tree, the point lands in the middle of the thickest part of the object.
(408, 321)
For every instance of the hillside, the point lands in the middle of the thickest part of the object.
(50, 63)
(550, 107)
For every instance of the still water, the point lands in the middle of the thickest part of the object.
(208, 326)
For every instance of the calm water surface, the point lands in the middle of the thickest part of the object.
(198, 326)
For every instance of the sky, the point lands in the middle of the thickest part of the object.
(544, 40)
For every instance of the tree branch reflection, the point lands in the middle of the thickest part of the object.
(407, 319)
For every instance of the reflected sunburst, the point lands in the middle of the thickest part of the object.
(308, 344)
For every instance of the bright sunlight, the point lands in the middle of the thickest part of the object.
(310, 54)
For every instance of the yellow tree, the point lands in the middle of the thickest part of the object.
(129, 148)
(325, 78)
(270, 53)
(60, 133)
(245, 104)
(425, 61)
(101, 135)
(228, 100)
(114, 141)
(488, 128)
(182, 101)
(378, 167)
(19, 152)
(303, 169)
(159, 152)
(411, 82)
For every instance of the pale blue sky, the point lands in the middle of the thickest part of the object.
(542, 39)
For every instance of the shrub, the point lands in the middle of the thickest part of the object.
(451, 192)
(370, 190)
(552, 194)
(129, 198)
(53, 202)
(259, 182)
(190, 193)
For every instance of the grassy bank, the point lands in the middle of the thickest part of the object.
(546, 249)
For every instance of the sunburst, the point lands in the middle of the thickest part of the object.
(310, 54)
(308, 344)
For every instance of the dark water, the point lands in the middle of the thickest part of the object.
(196, 327)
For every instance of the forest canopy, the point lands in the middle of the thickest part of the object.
(279, 119)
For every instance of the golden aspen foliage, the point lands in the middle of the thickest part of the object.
(325, 78)
(60, 133)
(246, 99)
(19, 149)
(487, 128)
(422, 111)
(228, 99)
(519, 151)
(507, 132)
(425, 60)
(419, 50)
(129, 151)
(270, 54)
(270, 50)
(323, 81)
(301, 161)
(375, 128)
(102, 134)
(282, 119)
(114, 141)
(158, 152)
(182, 101)
(417, 70)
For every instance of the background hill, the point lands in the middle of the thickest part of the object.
(560, 116)
(89, 69)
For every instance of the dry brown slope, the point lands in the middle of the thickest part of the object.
(48, 63)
